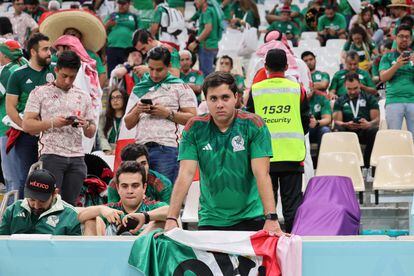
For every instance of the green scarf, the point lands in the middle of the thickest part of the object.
(142, 88)
(11, 54)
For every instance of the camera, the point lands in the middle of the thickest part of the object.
(406, 54)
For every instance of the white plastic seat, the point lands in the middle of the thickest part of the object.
(336, 44)
(341, 164)
(341, 142)
(190, 212)
(310, 44)
(391, 142)
(309, 35)
(394, 173)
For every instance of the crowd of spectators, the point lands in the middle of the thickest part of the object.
(141, 66)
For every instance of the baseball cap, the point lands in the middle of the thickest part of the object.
(40, 185)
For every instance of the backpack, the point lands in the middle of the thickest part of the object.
(172, 21)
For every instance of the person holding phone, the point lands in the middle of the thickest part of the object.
(397, 71)
(357, 111)
(61, 113)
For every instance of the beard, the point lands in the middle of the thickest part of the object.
(43, 61)
(38, 212)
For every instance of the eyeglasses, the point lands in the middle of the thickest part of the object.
(404, 36)
(19, 4)
(117, 97)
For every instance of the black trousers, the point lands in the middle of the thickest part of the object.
(255, 224)
(290, 193)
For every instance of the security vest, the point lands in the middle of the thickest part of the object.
(277, 101)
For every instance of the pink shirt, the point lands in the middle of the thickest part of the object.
(50, 101)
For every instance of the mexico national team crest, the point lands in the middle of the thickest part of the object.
(52, 220)
(238, 143)
(50, 77)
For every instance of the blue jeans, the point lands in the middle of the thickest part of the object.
(395, 112)
(23, 154)
(315, 134)
(10, 170)
(164, 160)
(206, 59)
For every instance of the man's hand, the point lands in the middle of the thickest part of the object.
(142, 108)
(138, 217)
(364, 124)
(111, 215)
(169, 225)
(61, 121)
(110, 23)
(312, 122)
(140, 70)
(401, 61)
(332, 32)
(193, 45)
(332, 96)
(351, 125)
(273, 227)
(158, 110)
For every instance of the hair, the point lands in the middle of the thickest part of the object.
(33, 42)
(72, 28)
(408, 20)
(331, 7)
(249, 5)
(216, 79)
(141, 35)
(160, 53)
(31, 2)
(132, 152)
(352, 55)
(53, 5)
(14, 1)
(157, 2)
(5, 26)
(229, 58)
(404, 27)
(357, 29)
(276, 60)
(387, 44)
(131, 167)
(110, 112)
(186, 52)
(307, 53)
(350, 77)
(68, 59)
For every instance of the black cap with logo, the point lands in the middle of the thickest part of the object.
(40, 185)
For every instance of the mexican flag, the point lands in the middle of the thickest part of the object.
(179, 252)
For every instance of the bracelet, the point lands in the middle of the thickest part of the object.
(174, 219)
(51, 124)
(147, 217)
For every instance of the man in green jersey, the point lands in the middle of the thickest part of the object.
(397, 70)
(232, 149)
(337, 87)
(133, 206)
(193, 78)
(11, 58)
(331, 25)
(21, 83)
(42, 211)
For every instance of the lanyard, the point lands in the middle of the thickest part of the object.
(354, 109)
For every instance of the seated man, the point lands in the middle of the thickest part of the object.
(193, 78)
(357, 111)
(159, 187)
(113, 219)
(42, 211)
(286, 26)
(331, 25)
(337, 87)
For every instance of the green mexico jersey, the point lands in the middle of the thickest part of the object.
(337, 22)
(400, 87)
(176, 3)
(318, 76)
(25, 79)
(228, 187)
(143, 4)
(5, 72)
(362, 51)
(60, 219)
(240, 83)
(193, 77)
(120, 35)
(284, 27)
(319, 105)
(338, 81)
(367, 103)
(209, 17)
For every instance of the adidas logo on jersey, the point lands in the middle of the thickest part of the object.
(21, 214)
(29, 81)
(207, 147)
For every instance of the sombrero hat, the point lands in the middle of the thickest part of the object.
(91, 27)
(398, 3)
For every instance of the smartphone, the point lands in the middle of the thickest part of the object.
(146, 101)
(406, 54)
(71, 118)
(356, 120)
(131, 224)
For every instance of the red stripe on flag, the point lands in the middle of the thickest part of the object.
(120, 144)
(265, 246)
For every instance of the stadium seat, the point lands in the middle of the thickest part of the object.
(391, 142)
(190, 212)
(309, 35)
(394, 173)
(341, 142)
(6, 199)
(310, 44)
(341, 164)
(335, 44)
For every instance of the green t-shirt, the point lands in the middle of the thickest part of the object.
(319, 105)
(226, 10)
(345, 8)
(240, 83)
(120, 35)
(60, 219)
(367, 102)
(253, 21)
(399, 88)
(209, 17)
(338, 81)
(100, 68)
(236, 10)
(229, 192)
(318, 76)
(114, 132)
(360, 50)
(193, 77)
(293, 8)
(158, 15)
(143, 4)
(25, 79)
(337, 23)
(176, 3)
(5, 72)
(286, 27)
(159, 188)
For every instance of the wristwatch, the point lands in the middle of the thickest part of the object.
(271, 216)
(171, 116)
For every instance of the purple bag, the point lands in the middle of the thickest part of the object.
(329, 208)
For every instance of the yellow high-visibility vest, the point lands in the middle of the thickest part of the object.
(277, 101)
